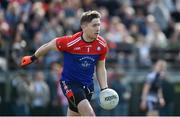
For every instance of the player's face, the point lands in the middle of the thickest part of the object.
(92, 29)
(160, 66)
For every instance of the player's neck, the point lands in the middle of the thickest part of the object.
(86, 38)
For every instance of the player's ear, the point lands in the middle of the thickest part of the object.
(83, 26)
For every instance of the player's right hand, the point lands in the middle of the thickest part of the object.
(143, 105)
(104, 88)
(26, 60)
(162, 102)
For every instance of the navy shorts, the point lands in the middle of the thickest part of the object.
(152, 106)
(76, 93)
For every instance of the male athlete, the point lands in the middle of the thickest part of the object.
(152, 95)
(84, 52)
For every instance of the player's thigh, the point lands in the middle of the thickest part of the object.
(74, 94)
(72, 113)
(84, 105)
(85, 108)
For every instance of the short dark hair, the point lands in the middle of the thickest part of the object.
(88, 16)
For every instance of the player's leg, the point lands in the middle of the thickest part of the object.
(153, 113)
(85, 108)
(82, 96)
(77, 98)
(72, 110)
(152, 109)
(72, 113)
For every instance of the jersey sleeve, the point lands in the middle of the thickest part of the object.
(103, 55)
(149, 78)
(61, 43)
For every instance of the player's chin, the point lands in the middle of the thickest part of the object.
(96, 35)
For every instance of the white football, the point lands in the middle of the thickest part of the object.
(108, 99)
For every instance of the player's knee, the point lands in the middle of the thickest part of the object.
(91, 114)
(85, 108)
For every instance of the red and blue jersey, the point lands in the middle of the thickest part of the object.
(80, 57)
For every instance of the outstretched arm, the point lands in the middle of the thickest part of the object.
(101, 74)
(26, 60)
(45, 48)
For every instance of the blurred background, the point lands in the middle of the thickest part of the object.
(138, 32)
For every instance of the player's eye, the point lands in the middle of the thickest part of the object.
(95, 25)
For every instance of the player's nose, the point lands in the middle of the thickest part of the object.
(97, 31)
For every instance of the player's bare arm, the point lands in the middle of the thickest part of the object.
(101, 74)
(161, 98)
(45, 48)
(145, 91)
(144, 95)
(26, 60)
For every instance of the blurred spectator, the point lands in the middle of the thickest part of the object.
(104, 20)
(3, 61)
(120, 43)
(161, 11)
(88, 5)
(175, 38)
(21, 94)
(127, 15)
(125, 51)
(13, 14)
(115, 32)
(40, 95)
(58, 102)
(3, 64)
(17, 47)
(143, 47)
(175, 15)
(152, 93)
(155, 37)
